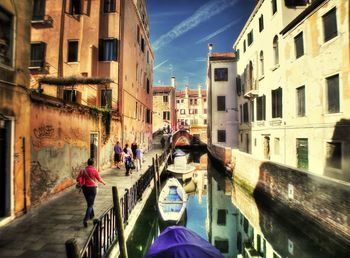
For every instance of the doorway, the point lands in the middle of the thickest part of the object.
(267, 147)
(302, 153)
(94, 148)
(5, 174)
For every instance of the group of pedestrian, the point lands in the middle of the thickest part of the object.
(132, 157)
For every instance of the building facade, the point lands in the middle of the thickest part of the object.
(222, 102)
(14, 108)
(191, 107)
(285, 85)
(164, 110)
(91, 73)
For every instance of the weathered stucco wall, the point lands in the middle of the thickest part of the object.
(60, 146)
(320, 199)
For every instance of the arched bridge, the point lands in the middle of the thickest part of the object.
(183, 137)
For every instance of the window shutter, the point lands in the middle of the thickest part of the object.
(43, 53)
(264, 107)
(100, 50)
(115, 50)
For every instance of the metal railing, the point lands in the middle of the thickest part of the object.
(104, 233)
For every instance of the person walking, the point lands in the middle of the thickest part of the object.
(117, 154)
(138, 158)
(128, 157)
(133, 148)
(89, 176)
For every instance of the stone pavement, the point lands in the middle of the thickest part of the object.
(43, 231)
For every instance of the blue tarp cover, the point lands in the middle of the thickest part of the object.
(178, 153)
(180, 242)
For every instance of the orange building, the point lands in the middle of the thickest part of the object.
(14, 108)
(91, 76)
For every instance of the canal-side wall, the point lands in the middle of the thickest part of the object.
(323, 200)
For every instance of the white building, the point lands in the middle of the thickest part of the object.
(222, 101)
(288, 76)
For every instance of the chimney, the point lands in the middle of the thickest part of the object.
(210, 47)
(186, 91)
(173, 82)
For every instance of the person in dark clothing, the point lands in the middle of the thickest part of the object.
(88, 177)
(134, 148)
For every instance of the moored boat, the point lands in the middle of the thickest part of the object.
(172, 201)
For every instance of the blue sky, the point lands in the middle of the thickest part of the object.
(181, 30)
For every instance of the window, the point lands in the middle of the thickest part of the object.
(166, 115)
(142, 45)
(109, 6)
(261, 58)
(221, 136)
(182, 111)
(244, 46)
(301, 101)
(205, 121)
(277, 146)
(330, 25)
(205, 111)
(108, 50)
(275, 50)
(73, 51)
(334, 155)
(165, 99)
(177, 101)
(220, 74)
(221, 103)
(238, 85)
(261, 108)
(250, 37)
(221, 245)
(261, 23)
(204, 100)
(72, 96)
(276, 96)
(302, 153)
(293, 3)
(147, 86)
(333, 94)
(245, 113)
(299, 45)
(148, 116)
(241, 113)
(37, 55)
(221, 217)
(6, 37)
(138, 35)
(147, 57)
(38, 10)
(75, 7)
(274, 6)
(106, 98)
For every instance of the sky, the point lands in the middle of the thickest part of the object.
(181, 30)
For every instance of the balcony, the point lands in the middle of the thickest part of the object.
(42, 20)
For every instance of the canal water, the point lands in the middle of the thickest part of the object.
(234, 222)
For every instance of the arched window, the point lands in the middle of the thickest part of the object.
(261, 58)
(275, 50)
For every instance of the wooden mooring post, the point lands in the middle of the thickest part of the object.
(158, 173)
(120, 224)
(155, 179)
(72, 250)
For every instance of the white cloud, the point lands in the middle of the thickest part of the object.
(215, 33)
(204, 13)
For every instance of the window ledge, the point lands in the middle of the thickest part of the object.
(6, 67)
(275, 67)
(73, 63)
(333, 114)
(330, 41)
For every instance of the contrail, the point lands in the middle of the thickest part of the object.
(204, 13)
(212, 35)
(159, 65)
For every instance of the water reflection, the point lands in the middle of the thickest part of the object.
(233, 221)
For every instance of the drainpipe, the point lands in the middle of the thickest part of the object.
(60, 43)
(120, 69)
(24, 175)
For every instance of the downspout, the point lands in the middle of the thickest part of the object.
(24, 175)
(60, 44)
(120, 69)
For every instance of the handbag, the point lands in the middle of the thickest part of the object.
(81, 179)
(132, 165)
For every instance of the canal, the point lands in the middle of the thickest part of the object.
(233, 221)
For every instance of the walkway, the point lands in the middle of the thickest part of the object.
(43, 231)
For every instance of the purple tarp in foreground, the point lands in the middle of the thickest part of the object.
(180, 242)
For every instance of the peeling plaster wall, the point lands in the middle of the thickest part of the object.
(60, 147)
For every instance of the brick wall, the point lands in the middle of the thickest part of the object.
(322, 200)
